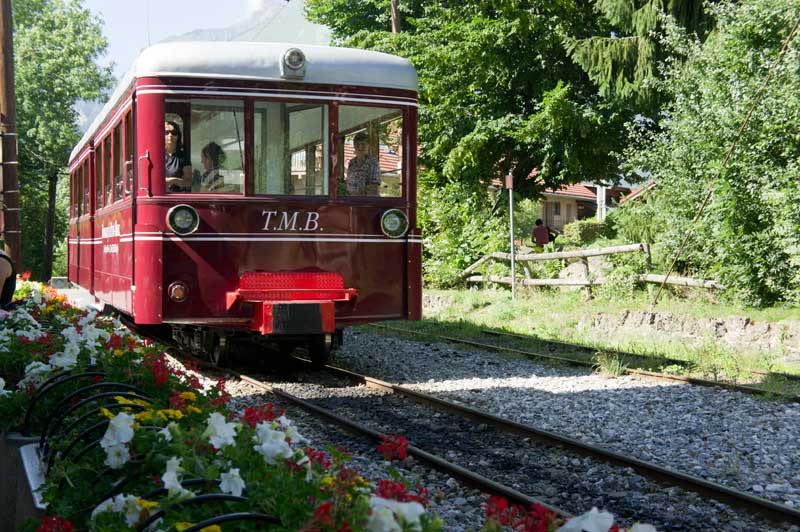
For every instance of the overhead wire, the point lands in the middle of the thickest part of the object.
(724, 164)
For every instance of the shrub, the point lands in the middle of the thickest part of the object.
(582, 232)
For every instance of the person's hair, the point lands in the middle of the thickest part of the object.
(177, 130)
(538, 221)
(214, 152)
(360, 136)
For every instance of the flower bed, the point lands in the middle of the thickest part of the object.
(132, 440)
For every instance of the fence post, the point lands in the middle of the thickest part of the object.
(587, 292)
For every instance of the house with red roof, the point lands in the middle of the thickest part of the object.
(578, 202)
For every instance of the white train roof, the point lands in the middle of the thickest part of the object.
(260, 61)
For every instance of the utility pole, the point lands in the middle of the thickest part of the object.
(9, 214)
(395, 17)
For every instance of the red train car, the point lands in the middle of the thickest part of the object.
(257, 190)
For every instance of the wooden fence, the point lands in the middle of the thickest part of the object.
(583, 257)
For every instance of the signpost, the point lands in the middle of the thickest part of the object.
(510, 187)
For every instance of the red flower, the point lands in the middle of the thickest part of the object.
(397, 491)
(392, 446)
(158, 365)
(317, 457)
(115, 342)
(253, 415)
(537, 519)
(25, 276)
(55, 524)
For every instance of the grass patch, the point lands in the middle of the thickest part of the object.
(562, 324)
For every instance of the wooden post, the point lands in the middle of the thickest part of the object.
(584, 261)
(9, 215)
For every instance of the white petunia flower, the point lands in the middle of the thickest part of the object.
(219, 432)
(124, 504)
(272, 450)
(382, 520)
(165, 433)
(117, 456)
(231, 482)
(407, 512)
(3, 391)
(171, 479)
(591, 521)
(119, 431)
(66, 359)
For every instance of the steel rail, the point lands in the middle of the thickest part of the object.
(752, 390)
(657, 473)
(466, 476)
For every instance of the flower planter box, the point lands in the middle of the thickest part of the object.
(15, 495)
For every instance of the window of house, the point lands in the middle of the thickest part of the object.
(370, 158)
(557, 208)
(291, 149)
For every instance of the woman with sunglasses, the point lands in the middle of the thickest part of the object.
(178, 168)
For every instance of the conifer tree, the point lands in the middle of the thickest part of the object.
(623, 62)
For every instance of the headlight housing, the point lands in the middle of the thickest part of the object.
(394, 223)
(183, 219)
(293, 64)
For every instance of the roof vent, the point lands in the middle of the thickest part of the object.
(293, 65)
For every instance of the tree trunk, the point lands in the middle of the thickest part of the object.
(395, 17)
(49, 227)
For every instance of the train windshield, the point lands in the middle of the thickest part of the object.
(210, 146)
(370, 151)
(291, 149)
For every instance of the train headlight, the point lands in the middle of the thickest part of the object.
(183, 219)
(394, 223)
(293, 65)
(178, 291)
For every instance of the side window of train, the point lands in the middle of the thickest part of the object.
(116, 192)
(212, 143)
(370, 151)
(291, 149)
(128, 184)
(98, 175)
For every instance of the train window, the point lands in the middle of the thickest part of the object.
(98, 176)
(77, 181)
(291, 149)
(214, 143)
(370, 151)
(117, 164)
(85, 194)
(128, 185)
(107, 171)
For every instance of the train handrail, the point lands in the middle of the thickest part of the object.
(145, 157)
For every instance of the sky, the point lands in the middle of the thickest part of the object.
(129, 26)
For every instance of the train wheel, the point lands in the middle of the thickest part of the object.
(219, 351)
(319, 349)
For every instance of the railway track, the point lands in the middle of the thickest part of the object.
(517, 453)
(744, 388)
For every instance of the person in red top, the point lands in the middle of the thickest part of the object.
(541, 234)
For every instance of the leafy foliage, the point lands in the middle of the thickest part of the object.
(56, 44)
(623, 59)
(749, 235)
(497, 89)
(582, 232)
(458, 227)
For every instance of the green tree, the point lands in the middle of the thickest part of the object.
(623, 59)
(56, 45)
(749, 235)
(498, 91)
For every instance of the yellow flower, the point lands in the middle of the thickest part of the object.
(106, 412)
(144, 415)
(188, 396)
(117, 352)
(328, 481)
(144, 504)
(170, 413)
(125, 401)
(183, 525)
(359, 482)
(193, 410)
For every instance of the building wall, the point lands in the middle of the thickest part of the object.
(556, 212)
